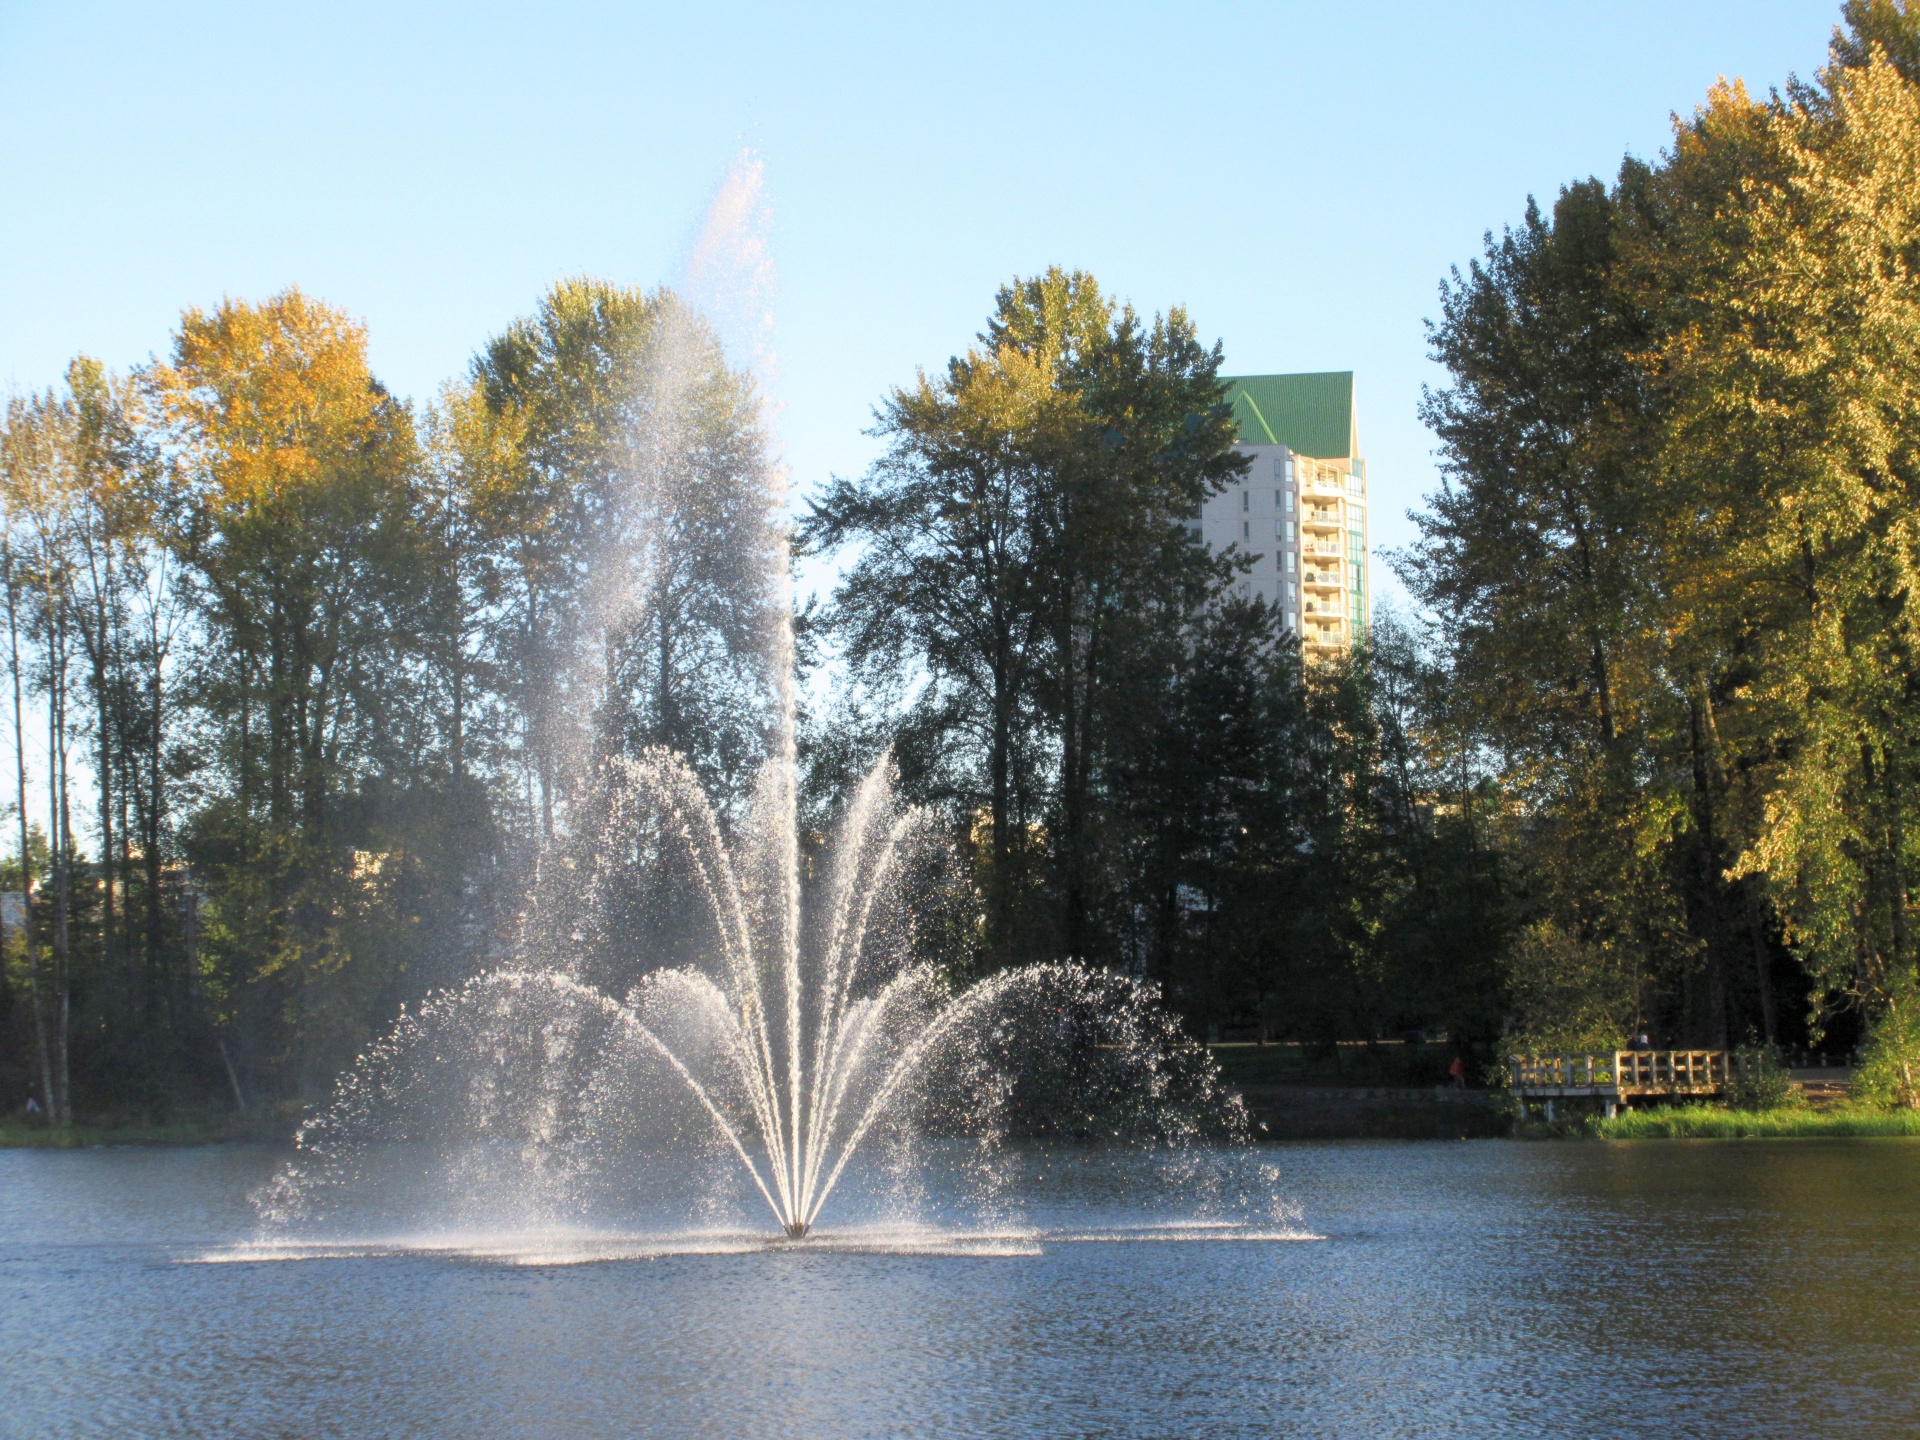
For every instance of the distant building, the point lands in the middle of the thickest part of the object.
(1301, 509)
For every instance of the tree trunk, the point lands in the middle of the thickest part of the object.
(1762, 960)
(1000, 767)
(1896, 870)
(61, 838)
(103, 761)
(150, 824)
(26, 849)
(1708, 884)
(1071, 819)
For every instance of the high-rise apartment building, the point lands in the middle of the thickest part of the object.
(1301, 508)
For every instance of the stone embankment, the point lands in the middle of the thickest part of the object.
(1371, 1112)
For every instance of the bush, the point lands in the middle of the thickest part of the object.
(1567, 994)
(1889, 1071)
(1760, 1081)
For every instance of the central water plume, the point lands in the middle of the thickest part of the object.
(794, 1051)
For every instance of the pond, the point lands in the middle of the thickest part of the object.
(1484, 1288)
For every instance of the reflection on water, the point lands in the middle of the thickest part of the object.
(1479, 1289)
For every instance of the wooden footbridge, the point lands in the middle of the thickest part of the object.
(1617, 1077)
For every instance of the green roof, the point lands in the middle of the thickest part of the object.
(1310, 414)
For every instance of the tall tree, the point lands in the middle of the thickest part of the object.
(641, 578)
(1149, 441)
(40, 462)
(299, 526)
(1797, 400)
(1541, 555)
(1022, 542)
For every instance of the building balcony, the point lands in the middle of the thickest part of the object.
(1320, 520)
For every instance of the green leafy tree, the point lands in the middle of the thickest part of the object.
(297, 519)
(638, 576)
(1023, 545)
(1797, 393)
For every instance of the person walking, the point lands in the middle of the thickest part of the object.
(1457, 1073)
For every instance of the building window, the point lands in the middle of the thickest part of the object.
(1289, 532)
(1289, 495)
(1246, 500)
(1293, 621)
(1246, 530)
(1290, 593)
(1355, 485)
(1289, 469)
(1289, 562)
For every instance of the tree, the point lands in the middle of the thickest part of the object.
(1539, 555)
(1151, 440)
(1022, 541)
(642, 575)
(296, 516)
(39, 463)
(949, 581)
(1798, 397)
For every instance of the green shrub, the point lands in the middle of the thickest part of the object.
(1760, 1081)
(1568, 995)
(1889, 1072)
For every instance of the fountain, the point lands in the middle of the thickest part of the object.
(803, 1033)
(690, 988)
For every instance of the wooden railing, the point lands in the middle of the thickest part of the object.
(1623, 1072)
(1560, 1072)
(1672, 1072)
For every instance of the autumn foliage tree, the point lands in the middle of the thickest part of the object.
(1675, 554)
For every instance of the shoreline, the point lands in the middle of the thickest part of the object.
(1787, 1122)
(16, 1136)
(1280, 1114)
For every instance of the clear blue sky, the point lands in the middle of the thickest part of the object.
(1299, 176)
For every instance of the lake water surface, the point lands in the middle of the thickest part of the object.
(1488, 1288)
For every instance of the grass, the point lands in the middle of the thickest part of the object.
(17, 1136)
(1714, 1122)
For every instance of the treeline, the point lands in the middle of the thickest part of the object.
(299, 674)
(1672, 568)
(1646, 760)
(305, 673)
(1141, 770)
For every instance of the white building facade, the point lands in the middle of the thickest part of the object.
(1300, 511)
